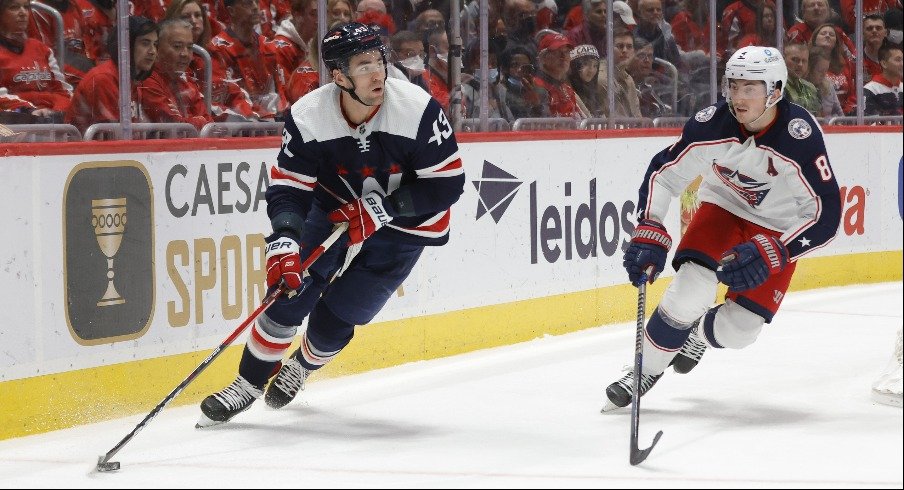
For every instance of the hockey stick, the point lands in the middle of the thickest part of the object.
(104, 464)
(637, 454)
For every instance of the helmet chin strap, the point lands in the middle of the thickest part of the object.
(351, 92)
(765, 110)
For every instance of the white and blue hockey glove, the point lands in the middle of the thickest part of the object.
(749, 265)
(649, 246)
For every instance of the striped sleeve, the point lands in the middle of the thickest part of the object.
(294, 177)
(437, 164)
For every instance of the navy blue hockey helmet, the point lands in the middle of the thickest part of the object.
(344, 41)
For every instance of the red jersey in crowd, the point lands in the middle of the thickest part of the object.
(869, 7)
(801, 33)
(562, 100)
(738, 20)
(252, 69)
(844, 87)
(168, 97)
(273, 12)
(96, 100)
(152, 9)
(98, 27)
(78, 44)
(437, 87)
(30, 72)
(688, 34)
(303, 80)
(287, 47)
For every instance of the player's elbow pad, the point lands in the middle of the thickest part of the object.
(287, 224)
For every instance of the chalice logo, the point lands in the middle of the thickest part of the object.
(108, 217)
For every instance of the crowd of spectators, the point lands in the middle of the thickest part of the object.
(547, 58)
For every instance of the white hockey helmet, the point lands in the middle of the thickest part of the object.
(757, 63)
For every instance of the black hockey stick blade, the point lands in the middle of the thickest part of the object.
(638, 455)
(104, 466)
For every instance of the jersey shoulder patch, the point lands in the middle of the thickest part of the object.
(705, 114)
(799, 128)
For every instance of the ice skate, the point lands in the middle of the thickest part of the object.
(618, 394)
(690, 353)
(289, 381)
(223, 405)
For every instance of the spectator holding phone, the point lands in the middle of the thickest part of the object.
(516, 84)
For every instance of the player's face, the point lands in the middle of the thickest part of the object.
(14, 17)
(145, 51)
(369, 74)
(748, 97)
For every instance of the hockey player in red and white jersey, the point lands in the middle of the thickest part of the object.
(768, 196)
(376, 153)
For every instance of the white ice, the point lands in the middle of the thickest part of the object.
(792, 410)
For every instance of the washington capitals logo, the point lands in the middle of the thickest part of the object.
(495, 191)
(747, 187)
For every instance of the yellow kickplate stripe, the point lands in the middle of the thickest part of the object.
(45, 403)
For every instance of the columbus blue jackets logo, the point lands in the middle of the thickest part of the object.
(705, 114)
(799, 129)
(745, 186)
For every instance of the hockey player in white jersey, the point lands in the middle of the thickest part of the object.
(377, 153)
(768, 197)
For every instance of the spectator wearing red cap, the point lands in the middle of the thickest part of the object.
(551, 81)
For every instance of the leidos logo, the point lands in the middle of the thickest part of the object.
(108, 247)
(495, 191)
(559, 228)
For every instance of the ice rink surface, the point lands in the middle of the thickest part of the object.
(792, 410)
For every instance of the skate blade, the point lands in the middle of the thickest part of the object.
(609, 407)
(205, 422)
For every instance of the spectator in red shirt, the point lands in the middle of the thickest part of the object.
(29, 73)
(43, 27)
(152, 9)
(874, 33)
(551, 82)
(869, 7)
(98, 15)
(171, 94)
(738, 20)
(691, 26)
(96, 100)
(192, 11)
(765, 28)
(816, 13)
(841, 70)
(438, 67)
(294, 36)
(245, 72)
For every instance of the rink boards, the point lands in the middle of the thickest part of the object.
(125, 263)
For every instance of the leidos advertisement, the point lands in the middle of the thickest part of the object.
(132, 256)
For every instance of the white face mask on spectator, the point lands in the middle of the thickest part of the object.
(415, 65)
(895, 36)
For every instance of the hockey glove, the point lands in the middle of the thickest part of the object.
(649, 246)
(749, 264)
(284, 262)
(365, 216)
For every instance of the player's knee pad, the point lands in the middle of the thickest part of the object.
(327, 332)
(731, 325)
(689, 296)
